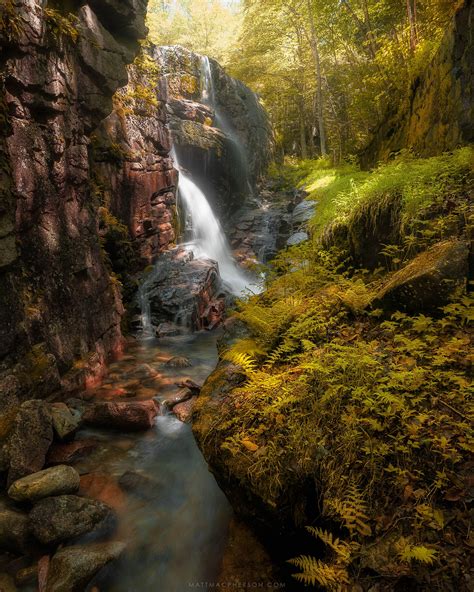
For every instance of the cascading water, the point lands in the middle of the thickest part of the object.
(208, 238)
(222, 123)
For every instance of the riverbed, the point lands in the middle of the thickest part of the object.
(175, 522)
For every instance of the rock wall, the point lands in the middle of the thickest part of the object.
(60, 312)
(437, 114)
(219, 128)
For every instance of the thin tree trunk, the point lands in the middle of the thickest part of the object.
(320, 94)
(411, 13)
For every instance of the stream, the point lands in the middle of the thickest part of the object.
(175, 525)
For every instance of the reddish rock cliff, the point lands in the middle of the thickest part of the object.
(59, 312)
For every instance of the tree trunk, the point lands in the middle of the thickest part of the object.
(411, 13)
(319, 78)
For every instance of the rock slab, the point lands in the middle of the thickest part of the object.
(134, 416)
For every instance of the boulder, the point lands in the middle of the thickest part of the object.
(66, 421)
(53, 481)
(303, 212)
(427, 282)
(57, 519)
(129, 416)
(184, 411)
(70, 452)
(72, 568)
(180, 397)
(30, 440)
(14, 532)
(297, 239)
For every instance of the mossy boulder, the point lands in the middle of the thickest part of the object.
(427, 282)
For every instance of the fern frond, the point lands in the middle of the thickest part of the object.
(342, 549)
(418, 553)
(314, 571)
(352, 511)
(244, 360)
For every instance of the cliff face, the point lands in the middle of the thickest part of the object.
(60, 312)
(437, 114)
(218, 129)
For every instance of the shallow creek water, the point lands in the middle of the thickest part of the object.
(176, 529)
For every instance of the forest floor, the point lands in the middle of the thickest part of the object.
(357, 377)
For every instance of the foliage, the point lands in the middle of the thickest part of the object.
(62, 27)
(344, 193)
(209, 27)
(367, 55)
(10, 21)
(376, 411)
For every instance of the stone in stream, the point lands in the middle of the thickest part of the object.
(139, 485)
(57, 519)
(14, 530)
(184, 411)
(70, 452)
(66, 421)
(129, 416)
(53, 481)
(30, 439)
(178, 362)
(26, 576)
(104, 488)
(72, 568)
(180, 397)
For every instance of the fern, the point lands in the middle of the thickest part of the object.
(419, 553)
(244, 360)
(315, 572)
(342, 549)
(352, 511)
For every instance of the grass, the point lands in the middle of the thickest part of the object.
(344, 191)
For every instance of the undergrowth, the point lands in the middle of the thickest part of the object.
(376, 409)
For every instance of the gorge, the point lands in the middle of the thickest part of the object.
(214, 352)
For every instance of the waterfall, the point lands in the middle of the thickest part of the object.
(208, 238)
(221, 122)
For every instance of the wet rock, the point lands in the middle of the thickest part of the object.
(66, 422)
(72, 568)
(131, 416)
(297, 239)
(303, 213)
(180, 397)
(194, 387)
(183, 290)
(104, 488)
(43, 569)
(70, 452)
(54, 481)
(184, 411)
(14, 530)
(57, 519)
(168, 330)
(139, 485)
(178, 362)
(426, 283)
(30, 440)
